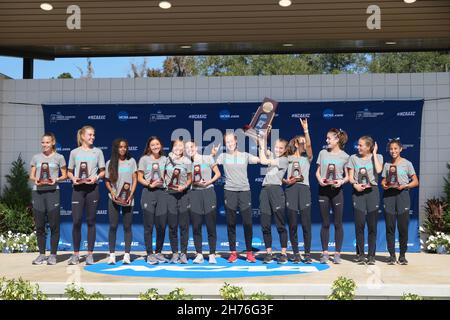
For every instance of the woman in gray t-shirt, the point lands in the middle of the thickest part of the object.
(363, 170)
(121, 181)
(298, 193)
(45, 168)
(398, 177)
(86, 168)
(331, 174)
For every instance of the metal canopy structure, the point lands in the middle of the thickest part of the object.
(206, 27)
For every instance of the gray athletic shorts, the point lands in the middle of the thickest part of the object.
(154, 200)
(45, 201)
(298, 196)
(271, 199)
(238, 199)
(368, 200)
(177, 202)
(202, 201)
(396, 201)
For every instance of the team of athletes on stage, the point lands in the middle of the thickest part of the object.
(178, 191)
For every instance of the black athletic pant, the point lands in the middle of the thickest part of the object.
(46, 206)
(272, 202)
(154, 209)
(197, 221)
(233, 201)
(178, 217)
(365, 205)
(84, 196)
(127, 213)
(396, 206)
(330, 197)
(298, 200)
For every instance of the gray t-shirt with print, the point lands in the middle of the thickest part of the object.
(235, 169)
(275, 172)
(146, 164)
(205, 164)
(55, 162)
(126, 170)
(93, 158)
(358, 164)
(304, 164)
(338, 161)
(184, 165)
(405, 170)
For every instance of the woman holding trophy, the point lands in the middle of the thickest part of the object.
(331, 174)
(202, 197)
(45, 168)
(363, 171)
(153, 198)
(298, 193)
(398, 177)
(86, 168)
(178, 178)
(121, 183)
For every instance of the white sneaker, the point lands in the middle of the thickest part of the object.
(112, 258)
(212, 259)
(126, 258)
(199, 259)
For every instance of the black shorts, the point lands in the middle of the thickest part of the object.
(298, 197)
(202, 201)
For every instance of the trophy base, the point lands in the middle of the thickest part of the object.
(255, 134)
(366, 186)
(122, 202)
(84, 181)
(159, 184)
(173, 187)
(329, 182)
(393, 186)
(199, 184)
(297, 179)
(45, 182)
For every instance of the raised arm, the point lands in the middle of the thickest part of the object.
(308, 144)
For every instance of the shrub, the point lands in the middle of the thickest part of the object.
(20, 290)
(18, 242)
(17, 192)
(411, 296)
(259, 296)
(16, 220)
(437, 217)
(78, 293)
(150, 294)
(229, 292)
(178, 294)
(343, 289)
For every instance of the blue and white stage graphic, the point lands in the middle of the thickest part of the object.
(223, 269)
(136, 122)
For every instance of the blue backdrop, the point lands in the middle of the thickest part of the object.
(136, 122)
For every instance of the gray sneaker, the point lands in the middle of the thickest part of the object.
(199, 259)
(161, 259)
(90, 259)
(51, 260)
(74, 259)
(175, 258)
(183, 258)
(212, 259)
(337, 258)
(324, 258)
(151, 259)
(41, 259)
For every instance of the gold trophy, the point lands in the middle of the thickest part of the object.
(262, 119)
(83, 173)
(124, 194)
(175, 180)
(392, 177)
(330, 178)
(296, 172)
(44, 176)
(363, 178)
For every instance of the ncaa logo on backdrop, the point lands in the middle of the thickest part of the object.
(328, 114)
(225, 114)
(60, 148)
(124, 116)
(406, 114)
(355, 145)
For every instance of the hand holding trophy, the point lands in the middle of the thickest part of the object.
(261, 122)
